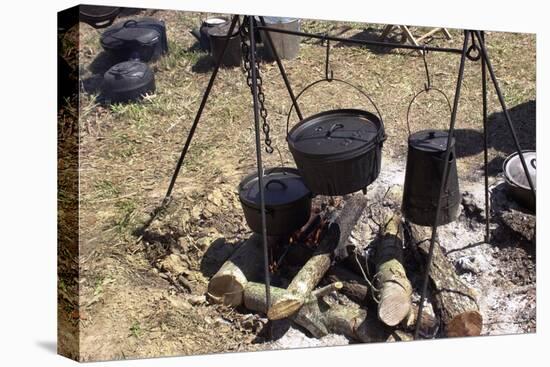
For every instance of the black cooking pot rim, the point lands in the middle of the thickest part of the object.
(509, 180)
(379, 138)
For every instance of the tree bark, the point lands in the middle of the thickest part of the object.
(227, 285)
(319, 318)
(353, 286)
(454, 300)
(394, 287)
(316, 267)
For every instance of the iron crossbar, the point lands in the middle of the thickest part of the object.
(361, 42)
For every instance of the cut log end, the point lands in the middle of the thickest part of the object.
(285, 307)
(226, 290)
(466, 324)
(393, 308)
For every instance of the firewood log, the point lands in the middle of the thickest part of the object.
(319, 318)
(454, 300)
(353, 286)
(394, 287)
(336, 237)
(227, 285)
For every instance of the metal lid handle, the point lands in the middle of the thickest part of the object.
(283, 185)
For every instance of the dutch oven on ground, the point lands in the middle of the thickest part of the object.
(287, 201)
(287, 46)
(425, 164)
(217, 36)
(128, 81)
(516, 180)
(201, 34)
(98, 16)
(142, 39)
(338, 151)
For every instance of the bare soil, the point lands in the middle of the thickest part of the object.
(131, 306)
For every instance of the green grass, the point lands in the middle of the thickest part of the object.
(135, 329)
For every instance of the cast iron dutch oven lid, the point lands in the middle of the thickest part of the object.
(123, 76)
(221, 30)
(336, 133)
(431, 141)
(513, 169)
(283, 186)
(98, 12)
(139, 30)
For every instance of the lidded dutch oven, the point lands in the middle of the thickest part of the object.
(143, 39)
(201, 34)
(287, 201)
(217, 34)
(338, 151)
(128, 81)
(423, 175)
(98, 16)
(516, 179)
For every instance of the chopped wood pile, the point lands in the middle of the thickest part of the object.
(326, 283)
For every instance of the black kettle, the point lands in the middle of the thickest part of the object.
(425, 165)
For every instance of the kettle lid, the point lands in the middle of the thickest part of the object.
(431, 141)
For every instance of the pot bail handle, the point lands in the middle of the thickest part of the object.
(426, 90)
(283, 185)
(358, 89)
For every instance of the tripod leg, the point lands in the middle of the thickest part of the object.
(442, 186)
(505, 110)
(282, 70)
(259, 159)
(199, 112)
(485, 145)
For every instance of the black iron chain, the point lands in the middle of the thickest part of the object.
(245, 48)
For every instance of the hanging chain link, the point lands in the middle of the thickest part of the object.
(245, 48)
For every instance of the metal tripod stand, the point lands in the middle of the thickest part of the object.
(473, 49)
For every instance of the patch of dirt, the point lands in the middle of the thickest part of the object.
(141, 292)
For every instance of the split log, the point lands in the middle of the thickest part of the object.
(227, 285)
(319, 318)
(394, 287)
(334, 241)
(455, 300)
(353, 286)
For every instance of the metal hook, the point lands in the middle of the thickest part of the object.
(473, 49)
(428, 85)
(327, 62)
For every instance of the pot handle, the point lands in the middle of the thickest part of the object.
(330, 81)
(534, 163)
(426, 90)
(276, 181)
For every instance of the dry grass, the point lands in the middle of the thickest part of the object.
(128, 153)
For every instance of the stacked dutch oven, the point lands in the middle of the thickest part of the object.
(211, 36)
(133, 43)
(337, 152)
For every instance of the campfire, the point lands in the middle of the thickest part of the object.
(327, 283)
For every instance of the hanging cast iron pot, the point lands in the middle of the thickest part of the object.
(425, 165)
(516, 180)
(287, 201)
(143, 39)
(127, 81)
(338, 151)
